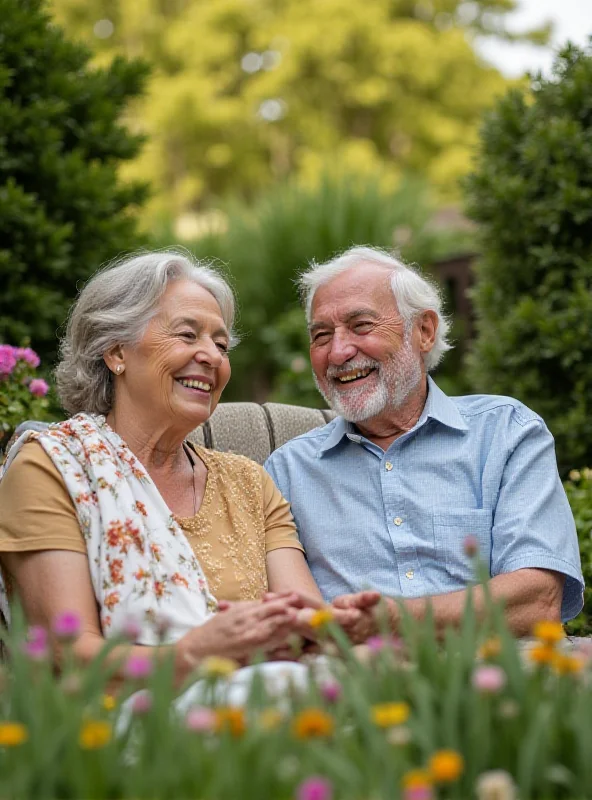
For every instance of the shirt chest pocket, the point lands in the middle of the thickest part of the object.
(451, 529)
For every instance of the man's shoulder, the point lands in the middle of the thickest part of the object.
(473, 406)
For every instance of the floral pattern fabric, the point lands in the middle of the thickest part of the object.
(143, 569)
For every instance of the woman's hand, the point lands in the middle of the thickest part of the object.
(238, 631)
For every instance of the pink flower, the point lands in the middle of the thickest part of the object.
(418, 793)
(138, 667)
(131, 629)
(67, 625)
(200, 719)
(314, 788)
(489, 679)
(7, 359)
(331, 690)
(28, 355)
(38, 387)
(141, 702)
(36, 646)
(375, 643)
(471, 546)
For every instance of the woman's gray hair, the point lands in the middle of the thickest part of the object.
(413, 292)
(114, 308)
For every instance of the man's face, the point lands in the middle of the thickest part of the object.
(365, 359)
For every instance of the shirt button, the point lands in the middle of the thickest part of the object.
(398, 521)
(409, 574)
(388, 466)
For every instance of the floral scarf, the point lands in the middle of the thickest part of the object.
(142, 567)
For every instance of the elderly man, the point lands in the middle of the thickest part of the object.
(386, 495)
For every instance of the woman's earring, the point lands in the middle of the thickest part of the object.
(119, 369)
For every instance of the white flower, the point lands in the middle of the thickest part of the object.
(496, 785)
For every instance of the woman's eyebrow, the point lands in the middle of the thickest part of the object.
(197, 325)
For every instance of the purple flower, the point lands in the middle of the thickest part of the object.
(200, 719)
(28, 355)
(489, 679)
(38, 387)
(141, 702)
(138, 667)
(67, 625)
(331, 690)
(36, 646)
(314, 788)
(7, 359)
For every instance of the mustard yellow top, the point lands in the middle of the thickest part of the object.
(242, 517)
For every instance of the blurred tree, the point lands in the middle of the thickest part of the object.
(531, 192)
(245, 93)
(62, 209)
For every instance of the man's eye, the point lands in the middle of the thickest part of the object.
(321, 337)
(362, 327)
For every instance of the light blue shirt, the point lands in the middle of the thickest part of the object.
(396, 520)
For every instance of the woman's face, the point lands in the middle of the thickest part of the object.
(180, 366)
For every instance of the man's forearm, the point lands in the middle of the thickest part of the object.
(528, 595)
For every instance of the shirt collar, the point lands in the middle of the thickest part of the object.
(438, 406)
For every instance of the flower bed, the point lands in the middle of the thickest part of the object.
(413, 718)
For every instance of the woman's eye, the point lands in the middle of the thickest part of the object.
(222, 346)
(190, 335)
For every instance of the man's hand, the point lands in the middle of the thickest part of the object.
(366, 604)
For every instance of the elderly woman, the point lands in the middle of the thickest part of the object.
(114, 514)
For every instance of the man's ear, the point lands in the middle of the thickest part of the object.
(114, 358)
(428, 327)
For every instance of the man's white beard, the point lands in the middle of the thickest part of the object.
(398, 376)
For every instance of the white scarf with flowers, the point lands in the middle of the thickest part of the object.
(144, 572)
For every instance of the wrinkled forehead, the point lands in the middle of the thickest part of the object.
(365, 287)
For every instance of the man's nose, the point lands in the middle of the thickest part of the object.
(342, 349)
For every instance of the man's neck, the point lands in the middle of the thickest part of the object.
(392, 423)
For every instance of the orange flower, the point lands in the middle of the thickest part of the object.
(542, 654)
(231, 720)
(446, 766)
(490, 648)
(94, 734)
(565, 664)
(312, 723)
(549, 632)
(111, 600)
(322, 617)
(416, 779)
(386, 715)
(12, 734)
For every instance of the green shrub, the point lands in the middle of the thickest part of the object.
(62, 209)
(579, 493)
(531, 193)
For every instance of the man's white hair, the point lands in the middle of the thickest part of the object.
(413, 293)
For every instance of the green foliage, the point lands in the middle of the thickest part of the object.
(579, 493)
(245, 94)
(532, 723)
(266, 245)
(531, 192)
(62, 210)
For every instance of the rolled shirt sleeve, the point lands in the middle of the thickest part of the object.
(533, 525)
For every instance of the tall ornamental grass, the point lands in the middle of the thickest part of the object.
(472, 714)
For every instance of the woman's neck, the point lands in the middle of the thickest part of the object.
(157, 447)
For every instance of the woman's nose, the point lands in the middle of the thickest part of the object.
(208, 353)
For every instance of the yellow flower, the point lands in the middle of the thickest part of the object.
(385, 715)
(94, 734)
(109, 702)
(490, 648)
(231, 720)
(416, 779)
(12, 734)
(542, 654)
(312, 723)
(218, 667)
(446, 766)
(549, 632)
(321, 617)
(565, 664)
(270, 718)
